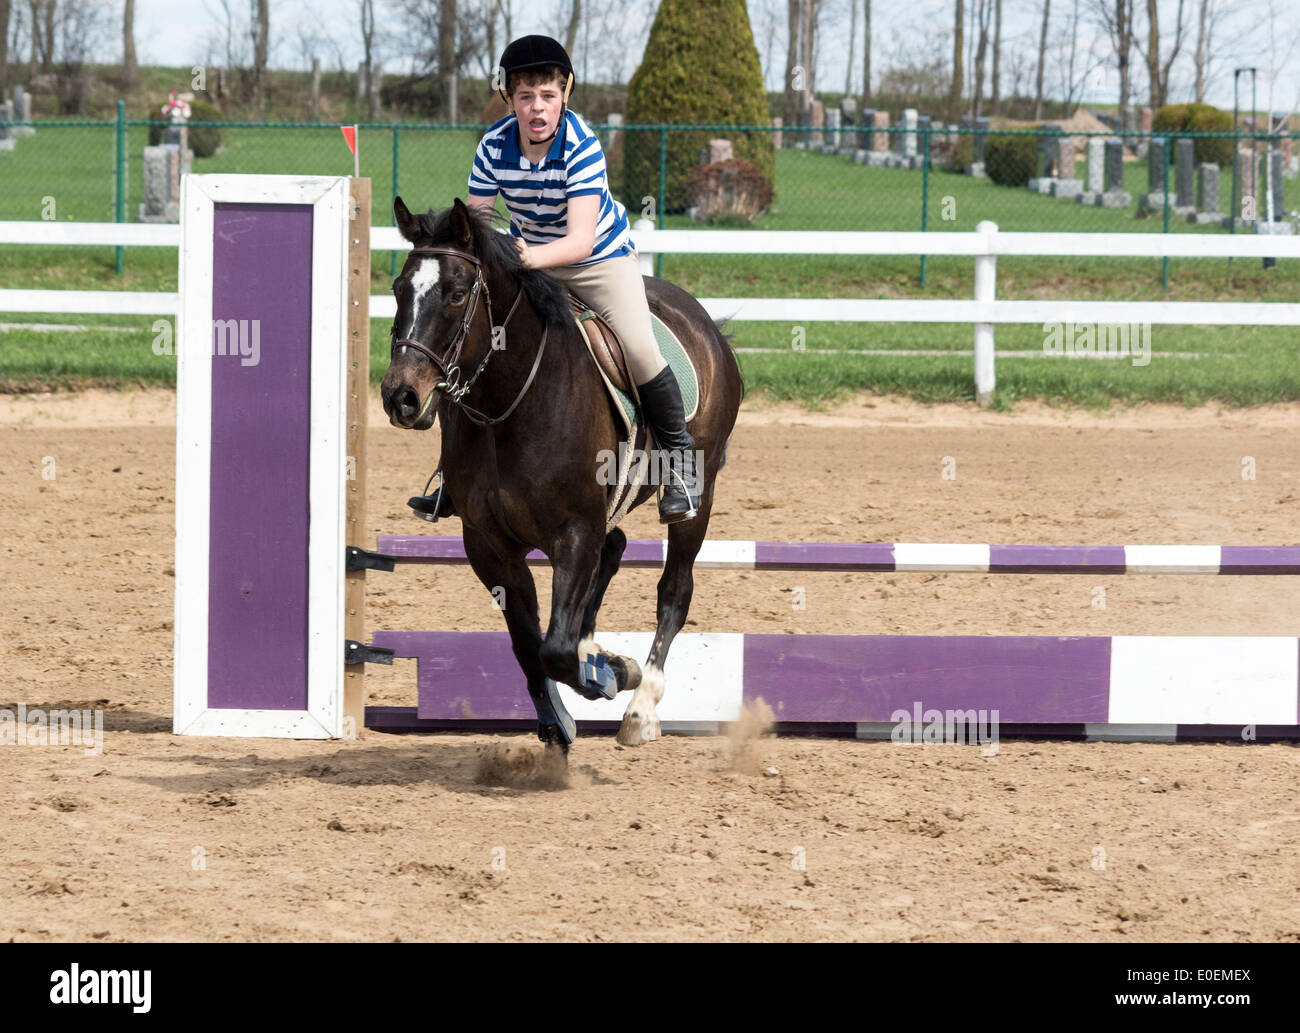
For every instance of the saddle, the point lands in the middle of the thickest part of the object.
(605, 347)
(606, 351)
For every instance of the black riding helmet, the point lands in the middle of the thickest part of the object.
(536, 52)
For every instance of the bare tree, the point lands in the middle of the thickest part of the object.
(261, 32)
(954, 88)
(1075, 68)
(1216, 45)
(1158, 72)
(130, 70)
(447, 66)
(983, 12)
(42, 34)
(366, 9)
(866, 53)
(1115, 19)
(997, 58)
(4, 46)
(853, 38)
(1042, 57)
(793, 77)
(571, 31)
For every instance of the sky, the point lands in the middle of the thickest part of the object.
(177, 31)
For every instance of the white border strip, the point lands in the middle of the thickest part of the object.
(330, 198)
(940, 557)
(1172, 559)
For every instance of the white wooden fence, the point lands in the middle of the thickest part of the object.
(983, 311)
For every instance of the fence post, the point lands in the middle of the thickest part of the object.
(986, 266)
(663, 190)
(119, 187)
(392, 261)
(645, 261)
(1169, 153)
(925, 187)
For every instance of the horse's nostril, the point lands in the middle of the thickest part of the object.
(408, 402)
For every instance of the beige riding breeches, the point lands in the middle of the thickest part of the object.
(615, 291)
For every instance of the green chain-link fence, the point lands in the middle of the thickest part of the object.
(851, 178)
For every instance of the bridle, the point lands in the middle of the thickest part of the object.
(448, 367)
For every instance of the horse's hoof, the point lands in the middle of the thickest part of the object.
(598, 680)
(638, 728)
(554, 738)
(631, 679)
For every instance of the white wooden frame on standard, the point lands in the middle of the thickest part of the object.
(329, 198)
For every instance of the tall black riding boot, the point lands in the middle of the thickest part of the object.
(661, 402)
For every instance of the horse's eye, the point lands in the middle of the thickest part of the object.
(457, 297)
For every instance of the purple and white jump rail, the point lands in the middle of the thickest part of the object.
(916, 556)
(260, 456)
(1160, 688)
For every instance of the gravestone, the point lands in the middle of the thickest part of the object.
(1156, 158)
(720, 150)
(1094, 171)
(777, 123)
(880, 140)
(1184, 178)
(848, 110)
(6, 130)
(615, 121)
(1045, 161)
(981, 137)
(1153, 201)
(22, 112)
(908, 136)
(1275, 182)
(1207, 194)
(161, 185)
(1114, 195)
(818, 121)
(1065, 158)
(833, 128)
(1066, 184)
(922, 135)
(864, 130)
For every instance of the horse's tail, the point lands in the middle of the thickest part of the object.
(720, 325)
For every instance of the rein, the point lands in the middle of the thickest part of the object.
(448, 367)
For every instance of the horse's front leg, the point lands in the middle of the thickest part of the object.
(510, 575)
(575, 561)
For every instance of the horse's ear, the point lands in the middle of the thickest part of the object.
(460, 227)
(407, 224)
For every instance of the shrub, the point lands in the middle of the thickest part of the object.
(731, 191)
(700, 67)
(963, 153)
(205, 141)
(1011, 161)
(1199, 118)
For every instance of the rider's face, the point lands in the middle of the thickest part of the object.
(538, 109)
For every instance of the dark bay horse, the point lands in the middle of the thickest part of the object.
(489, 346)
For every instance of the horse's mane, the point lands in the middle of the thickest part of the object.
(547, 295)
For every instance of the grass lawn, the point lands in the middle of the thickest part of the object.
(1239, 366)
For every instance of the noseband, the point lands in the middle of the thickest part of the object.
(447, 366)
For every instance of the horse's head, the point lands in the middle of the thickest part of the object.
(442, 320)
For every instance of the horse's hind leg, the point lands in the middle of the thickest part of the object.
(641, 719)
(627, 671)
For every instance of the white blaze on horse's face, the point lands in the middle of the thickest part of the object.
(424, 278)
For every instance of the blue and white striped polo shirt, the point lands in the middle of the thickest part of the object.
(537, 195)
